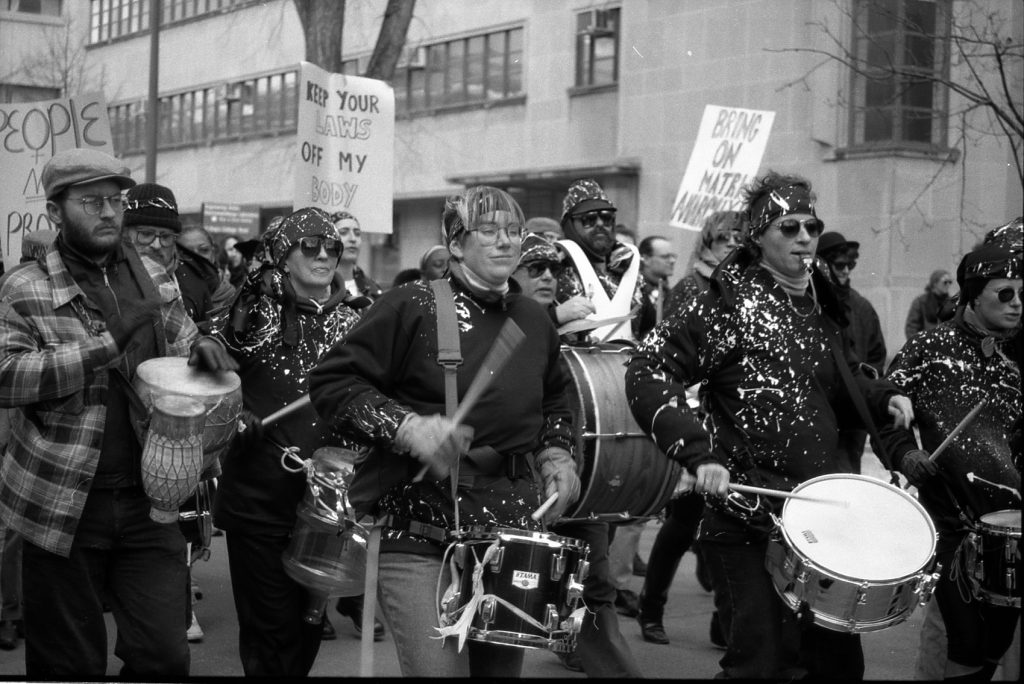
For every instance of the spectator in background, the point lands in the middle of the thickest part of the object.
(721, 233)
(355, 280)
(658, 263)
(547, 228)
(196, 239)
(434, 263)
(234, 262)
(932, 307)
(625, 234)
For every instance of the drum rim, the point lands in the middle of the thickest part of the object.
(995, 527)
(492, 532)
(212, 384)
(792, 547)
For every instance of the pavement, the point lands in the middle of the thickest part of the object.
(890, 654)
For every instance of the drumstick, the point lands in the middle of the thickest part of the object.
(509, 337)
(536, 515)
(290, 408)
(747, 489)
(956, 431)
(971, 477)
(632, 314)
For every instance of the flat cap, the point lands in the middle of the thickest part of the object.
(83, 165)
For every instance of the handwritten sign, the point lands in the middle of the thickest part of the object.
(726, 156)
(346, 146)
(31, 133)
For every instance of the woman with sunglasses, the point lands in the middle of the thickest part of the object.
(947, 371)
(287, 315)
(933, 306)
(537, 275)
(760, 342)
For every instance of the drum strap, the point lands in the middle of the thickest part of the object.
(449, 357)
(370, 599)
(858, 400)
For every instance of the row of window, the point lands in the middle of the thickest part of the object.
(116, 18)
(899, 43)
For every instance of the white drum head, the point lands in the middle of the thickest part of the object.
(173, 375)
(872, 532)
(1007, 521)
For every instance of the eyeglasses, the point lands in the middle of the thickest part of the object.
(537, 268)
(844, 265)
(487, 233)
(947, 282)
(791, 227)
(589, 218)
(146, 237)
(310, 246)
(93, 204)
(1006, 294)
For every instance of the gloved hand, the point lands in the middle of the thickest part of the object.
(132, 318)
(573, 309)
(558, 471)
(918, 467)
(434, 441)
(208, 355)
(250, 429)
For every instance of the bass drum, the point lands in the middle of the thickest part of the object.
(623, 474)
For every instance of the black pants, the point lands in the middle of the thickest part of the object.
(273, 639)
(601, 646)
(673, 539)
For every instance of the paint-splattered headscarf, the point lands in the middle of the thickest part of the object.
(537, 248)
(462, 212)
(789, 199)
(308, 222)
(983, 264)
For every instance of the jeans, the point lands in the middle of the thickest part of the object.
(10, 574)
(602, 649)
(673, 539)
(624, 544)
(765, 637)
(273, 638)
(119, 555)
(407, 595)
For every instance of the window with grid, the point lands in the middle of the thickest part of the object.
(597, 48)
(116, 18)
(50, 8)
(266, 105)
(474, 70)
(901, 58)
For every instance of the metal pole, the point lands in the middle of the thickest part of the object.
(153, 102)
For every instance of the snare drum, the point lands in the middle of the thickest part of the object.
(861, 558)
(622, 471)
(520, 586)
(220, 393)
(993, 558)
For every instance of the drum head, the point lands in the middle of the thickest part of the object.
(872, 531)
(173, 375)
(1004, 521)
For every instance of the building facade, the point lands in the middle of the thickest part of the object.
(531, 95)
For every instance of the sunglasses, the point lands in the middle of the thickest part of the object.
(1006, 294)
(844, 265)
(310, 246)
(537, 268)
(589, 219)
(791, 227)
(146, 237)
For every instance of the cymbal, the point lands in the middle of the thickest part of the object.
(583, 324)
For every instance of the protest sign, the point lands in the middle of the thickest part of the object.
(346, 146)
(31, 133)
(726, 156)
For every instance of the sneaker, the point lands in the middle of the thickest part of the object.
(653, 631)
(715, 632)
(195, 632)
(639, 567)
(352, 607)
(627, 603)
(571, 661)
(328, 633)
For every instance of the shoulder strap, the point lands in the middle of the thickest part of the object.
(449, 353)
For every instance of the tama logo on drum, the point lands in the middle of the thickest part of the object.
(525, 580)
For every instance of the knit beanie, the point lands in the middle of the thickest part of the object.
(150, 204)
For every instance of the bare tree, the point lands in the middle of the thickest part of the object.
(985, 74)
(60, 63)
(323, 23)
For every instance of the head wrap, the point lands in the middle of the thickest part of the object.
(584, 195)
(537, 248)
(789, 199)
(983, 264)
(462, 212)
(307, 222)
(426, 255)
(1010, 235)
(341, 215)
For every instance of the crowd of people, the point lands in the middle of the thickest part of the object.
(761, 369)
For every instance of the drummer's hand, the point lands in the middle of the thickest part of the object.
(574, 309)
(902, 410)
(208, 355)
(558, 471)
(918, 467)
(133, 317)
(712, 478)
(434, 441)
(250, 427)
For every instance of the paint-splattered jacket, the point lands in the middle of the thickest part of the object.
(388, 368)
(255, 492)
(946, 373)
(771, 392)
(571, 285)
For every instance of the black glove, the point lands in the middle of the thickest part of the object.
(208, 355)
(132, 318)
(250, 429)
(918, 467)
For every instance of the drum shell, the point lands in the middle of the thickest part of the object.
(327, 559)
(839, 600)
(524, 580)
(994, 559)
(172, 455)
(622, 471)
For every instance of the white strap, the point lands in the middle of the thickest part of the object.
(620, 303)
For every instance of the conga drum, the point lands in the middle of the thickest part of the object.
(172, 455)
(623, 473)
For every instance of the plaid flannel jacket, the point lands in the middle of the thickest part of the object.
(52, 351)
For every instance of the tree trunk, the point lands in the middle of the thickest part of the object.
(323, 22)
(391, 39)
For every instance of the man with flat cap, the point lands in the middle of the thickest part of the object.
(74, 326)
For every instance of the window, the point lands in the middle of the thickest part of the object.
(266, 105)
(900, 56)
(115, 18)
(49, 8)
(597, 48)
(475, 70)
(10, 92)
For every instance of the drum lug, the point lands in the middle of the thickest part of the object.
(557, 567)
(497, 559)
(573, 624)
(927, 585)
(583, 571)
(573, 591)
(862, 596)
(551, 618)
(488, 609)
